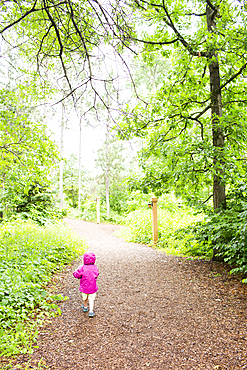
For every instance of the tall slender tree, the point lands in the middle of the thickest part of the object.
(61, 164)
(79, 163)
(107, 170)
(111, 162)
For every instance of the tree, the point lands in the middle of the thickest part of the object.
(61, 164)
(70, 180)
(196, 123)
(202, 95)
(112, 164)
(23, 142)
(107, 170)
(27, 155)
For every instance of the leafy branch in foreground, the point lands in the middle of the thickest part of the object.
(71, 38)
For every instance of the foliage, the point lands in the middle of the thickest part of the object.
(62, 36)
(111, 162)
(36, 203)
(138, 227)
(149, 72)
(24, 145)
(29, 255)
(118, 197)
(189, 147)
(225, 231)
(180, 36)
(89, 213)
(71, 181)
(113, 218)
(27, 154)
(184, 232)
(121, 171)
(136, 200)
(41, 365)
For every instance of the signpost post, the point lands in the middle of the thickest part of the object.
(154, 219)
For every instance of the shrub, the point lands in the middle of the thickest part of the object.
(225, 232)
(29, 254)
(138, 228)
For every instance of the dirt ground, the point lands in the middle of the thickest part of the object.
(153, 311)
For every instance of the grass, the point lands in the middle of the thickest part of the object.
(138, 228)
(29, 255)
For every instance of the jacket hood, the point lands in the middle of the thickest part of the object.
(89, 258)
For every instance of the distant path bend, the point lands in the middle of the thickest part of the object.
(153, 311)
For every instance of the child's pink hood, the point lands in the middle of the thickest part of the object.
(89, 258)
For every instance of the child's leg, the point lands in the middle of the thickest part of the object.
(85, 302)
(85, 299)
(91, 304)
(91, 299)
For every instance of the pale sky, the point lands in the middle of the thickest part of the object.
(92, 140)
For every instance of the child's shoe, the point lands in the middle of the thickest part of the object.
(91, 314)
(84, 309)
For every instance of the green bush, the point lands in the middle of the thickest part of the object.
(29, 255)
(138, 228)
(225, 232)
(113, 218)
(37, 203)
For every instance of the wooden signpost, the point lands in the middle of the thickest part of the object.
(154, 219)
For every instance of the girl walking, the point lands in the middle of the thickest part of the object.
(88, 273)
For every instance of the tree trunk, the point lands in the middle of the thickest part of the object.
(217, 130)
(219, 197)
(107, 180)
(61, 161)
(107, 197)
(219, 194)
(79, 180)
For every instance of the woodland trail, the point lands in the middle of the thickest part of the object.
(153, 311)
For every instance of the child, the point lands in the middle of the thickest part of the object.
(88, 274)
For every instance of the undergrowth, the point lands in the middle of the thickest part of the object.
(29, 255)
(91, 216)
(138, 228)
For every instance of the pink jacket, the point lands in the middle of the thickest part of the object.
(87, 274)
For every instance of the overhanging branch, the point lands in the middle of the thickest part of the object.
(234, 76)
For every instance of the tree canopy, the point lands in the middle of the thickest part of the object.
(70, 36)
(195, 124)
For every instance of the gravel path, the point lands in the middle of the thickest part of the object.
(153, 311)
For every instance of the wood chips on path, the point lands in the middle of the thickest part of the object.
(153, 311)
